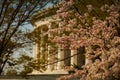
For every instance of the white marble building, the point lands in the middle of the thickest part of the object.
(43, 21)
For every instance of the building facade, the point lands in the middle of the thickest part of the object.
(55, 56)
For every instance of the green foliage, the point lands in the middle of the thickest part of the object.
(94, 47)
(39, 64)
(26, 70)
(19, 66)
(96, 12)
(11, 72)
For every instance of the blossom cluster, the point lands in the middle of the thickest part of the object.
(97, 33)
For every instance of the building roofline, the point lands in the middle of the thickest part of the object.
(45, 13)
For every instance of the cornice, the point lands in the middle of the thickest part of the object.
(45, 13)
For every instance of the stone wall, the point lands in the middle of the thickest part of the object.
(34, 77)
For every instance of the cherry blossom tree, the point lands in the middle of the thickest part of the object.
(95, 27)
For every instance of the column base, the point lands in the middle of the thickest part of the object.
(50, 72)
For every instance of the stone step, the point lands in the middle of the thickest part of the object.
(35, 77)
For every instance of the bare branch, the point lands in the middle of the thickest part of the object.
(2, 8)
(2, 20)
(9, 23)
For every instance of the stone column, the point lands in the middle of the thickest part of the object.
(87, 59)
(60, 54)
(60, 57)
(49, 27)
(35, 50)
(49, 67)
(41, 52)
(73, 57)
(59, 26)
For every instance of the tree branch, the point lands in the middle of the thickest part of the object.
(2, 8)
(9, 23)
(2, 20)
